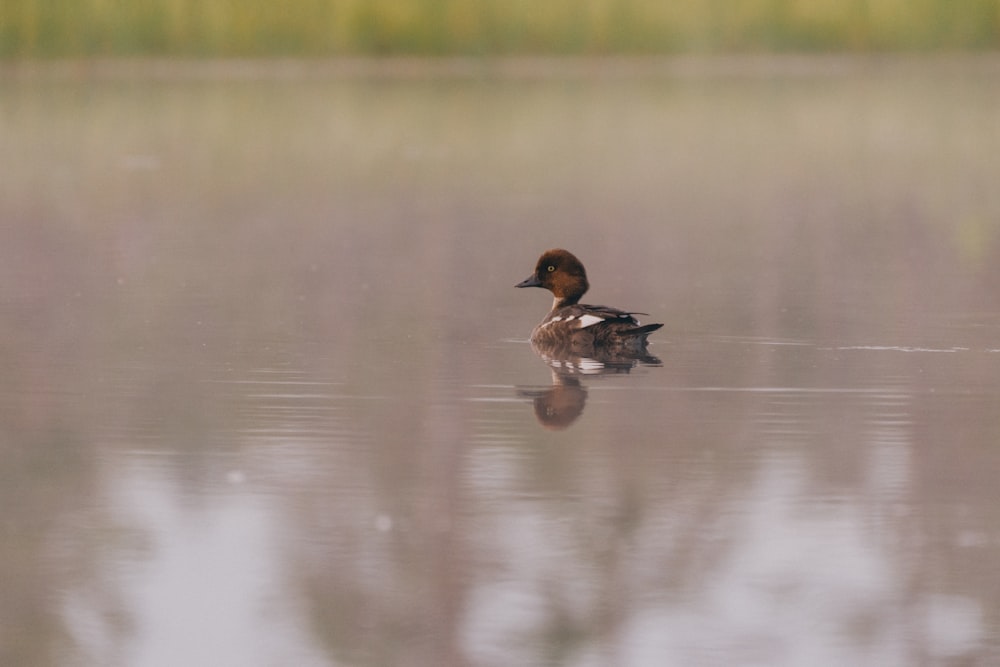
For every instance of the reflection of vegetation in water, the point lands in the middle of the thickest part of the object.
(324, 27)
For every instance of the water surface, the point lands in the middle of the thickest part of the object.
(268, 397)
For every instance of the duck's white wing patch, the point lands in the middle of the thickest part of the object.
(589, 320)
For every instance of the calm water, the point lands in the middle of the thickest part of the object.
(268, 398)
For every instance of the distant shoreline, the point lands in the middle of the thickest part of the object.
(330, 28)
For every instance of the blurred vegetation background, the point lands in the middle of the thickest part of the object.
(80, 28)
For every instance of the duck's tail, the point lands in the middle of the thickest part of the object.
(642, 331)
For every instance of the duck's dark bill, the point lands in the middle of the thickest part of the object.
(529, 282)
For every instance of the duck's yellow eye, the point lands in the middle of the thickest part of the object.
(551, 268)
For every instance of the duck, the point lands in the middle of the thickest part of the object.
(581, 329)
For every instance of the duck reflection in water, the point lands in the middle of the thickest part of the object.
(578, 339)
(558, 406)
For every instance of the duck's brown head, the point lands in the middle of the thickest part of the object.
(560, 272)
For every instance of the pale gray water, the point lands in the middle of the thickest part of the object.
(267, 397)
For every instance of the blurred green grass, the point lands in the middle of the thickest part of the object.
(78, 28)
